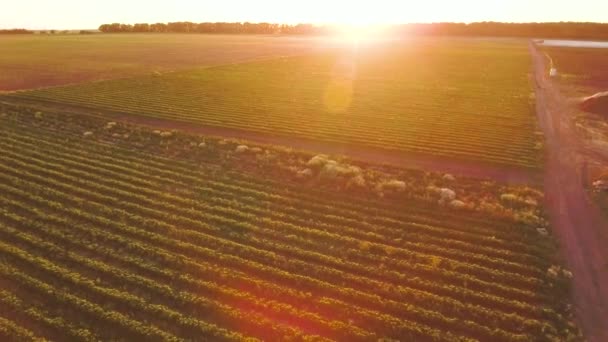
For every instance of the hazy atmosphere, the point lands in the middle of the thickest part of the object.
(349, 171)
(73, 14)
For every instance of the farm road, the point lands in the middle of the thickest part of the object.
(581, 229)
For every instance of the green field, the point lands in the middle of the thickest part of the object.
(459, 98)
(114, 232)
(33, 61)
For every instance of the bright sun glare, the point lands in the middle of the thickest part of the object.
(359, 32)
(355, 21)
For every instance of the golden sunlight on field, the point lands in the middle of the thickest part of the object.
(272, 170)
(339, 93)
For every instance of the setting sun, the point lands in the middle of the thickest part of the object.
(304, 170)
(78, 14)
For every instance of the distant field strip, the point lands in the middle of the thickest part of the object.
(580, 66)
(100, 242)
(34, 61)
(452, 98)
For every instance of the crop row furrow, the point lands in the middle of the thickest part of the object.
(242, 283)
(205, 237)
(197, 208)
(248, 191)
(233, 261)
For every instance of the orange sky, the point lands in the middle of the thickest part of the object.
(76, 14)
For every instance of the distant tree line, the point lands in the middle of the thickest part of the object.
(24, 31)
(219, 27)
(539, 30)
(572, 30)
(16, 31)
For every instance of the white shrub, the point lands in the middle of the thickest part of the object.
(394, 184)
(447, 195)
(202, 145)
(88, 133)
(448, 177)
(509, 198)
(531, 202)
(358, 181)
(318, 161)
(306, 173)
(542, 231)
(241, 149)
(349, 170)
(330, 170)
(457, 204)
(166, 135)
(156, 132)
(553, 271)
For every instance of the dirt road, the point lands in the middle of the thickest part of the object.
(581, 230)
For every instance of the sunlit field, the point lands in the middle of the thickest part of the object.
(112, 231)
(583, 72)
(467, 99)
(32, 61)
(340, 171)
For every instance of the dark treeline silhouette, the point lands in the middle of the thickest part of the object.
(189, 27)
(16, 31)
(539, 30)
(532, 30)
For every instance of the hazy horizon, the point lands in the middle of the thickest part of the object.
(70, 14)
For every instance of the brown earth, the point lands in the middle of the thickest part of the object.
(577, 222)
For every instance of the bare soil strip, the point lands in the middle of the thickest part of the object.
(372, 155)
(581, 229)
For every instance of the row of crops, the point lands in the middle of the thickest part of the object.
(99, 241)
(449, 98)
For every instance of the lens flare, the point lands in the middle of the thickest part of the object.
(339, 92)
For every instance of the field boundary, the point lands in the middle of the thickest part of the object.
(372, 155)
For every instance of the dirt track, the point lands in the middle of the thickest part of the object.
(581, 229)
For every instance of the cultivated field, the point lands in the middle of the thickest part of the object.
(583, 69)
(33, 61)
(459, 98)
(110, 231)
